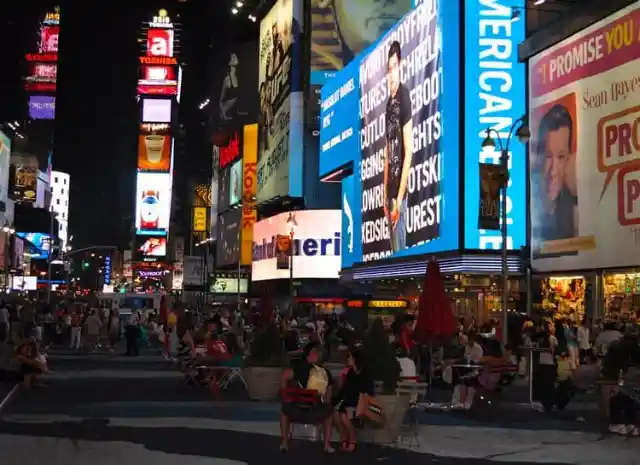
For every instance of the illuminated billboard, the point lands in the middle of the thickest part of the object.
(42, 106)
(154, 152)
(42, 72)
(157, 80)
(39, 244)
(156, 110)
(235, 183)
(160, 42)
(49, 39)
(151, 248)
(153, 204)
(25, 180)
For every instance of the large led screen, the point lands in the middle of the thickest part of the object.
(494, 98)
(38, 244)
(156, 110)
(281, 102)
(228, 243)
(160, 42)
(5, 156)
(42, 107)
(153, 204)
(341, 29)
(235, 183)
(154, 152)
(42, 72)
(316, 246)
(49, 36)
(406, 163)
(151, 247)
(584, 111)
(223, 192)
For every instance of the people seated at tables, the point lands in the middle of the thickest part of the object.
(356, 381)
(31, 362)
(408, 369)
(581, 379)
(463, 392)
(624, 406)
(309, 374)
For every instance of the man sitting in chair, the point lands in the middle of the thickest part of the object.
(307, 374)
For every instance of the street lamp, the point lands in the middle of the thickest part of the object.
(292, 224)
(522, 133)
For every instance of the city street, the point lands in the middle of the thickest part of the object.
(112, 409)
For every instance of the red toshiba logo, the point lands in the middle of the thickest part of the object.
(160, 42)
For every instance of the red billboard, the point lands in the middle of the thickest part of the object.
(160, 42)
(42, 72)
(49, 39)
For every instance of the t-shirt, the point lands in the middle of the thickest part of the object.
(474, 353)
(397, 115)
(216, 347)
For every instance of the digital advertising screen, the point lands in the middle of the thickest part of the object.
(231, 151)
(153, 204)
(25, 182)
(281, 103)
(24, 283)
(160, 42)
(228, 243)
(5, 166)
(227, 284)
(42, 106)
(38, 244)
(154, 152)
(340, 129)
(156, 110)
(223, 190)
(316, 246)
(494, 97)
(49, 39)
(42, 72)
(157, 80)
(584, 152)
(151, 247)
(341, 29)
(235, 183)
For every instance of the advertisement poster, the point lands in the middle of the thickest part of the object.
(5, 156)
(249, 182)
(340, 29)
(223, 190)
(351, 233)
(26, 178)
(585, 156)
(228, 244)
(235, 183)
(193, 274)
(156, 110)
(213, 212)
(316, 246)
(153, 203)
(281, 106)
(402, 194)
(154, 152)
(199, 219)
(42, 107)
(234, 85)
(491, 182)
(229, 284)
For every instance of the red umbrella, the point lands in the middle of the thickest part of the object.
(435, 318)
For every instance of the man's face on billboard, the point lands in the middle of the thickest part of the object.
(362, 22)
(556, 156)
(393, 74)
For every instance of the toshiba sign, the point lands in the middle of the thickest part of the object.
(160, 42)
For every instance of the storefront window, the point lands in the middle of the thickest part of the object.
(563, 297)
(621, 294)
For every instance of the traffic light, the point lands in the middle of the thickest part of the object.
(85, 264)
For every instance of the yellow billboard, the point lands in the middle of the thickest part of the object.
(249, 185)
(199, 219)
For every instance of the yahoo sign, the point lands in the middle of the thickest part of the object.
(42, 107)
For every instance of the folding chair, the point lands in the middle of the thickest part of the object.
(233, 374)
(410, 428)
(303, 398)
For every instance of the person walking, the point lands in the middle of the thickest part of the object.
(93, 325)
(76, 330)
(132, 334)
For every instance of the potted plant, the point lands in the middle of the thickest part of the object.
(380, 358)
(265, 364)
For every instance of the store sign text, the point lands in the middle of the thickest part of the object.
(46, 57)
(231, 151)
(156, 60)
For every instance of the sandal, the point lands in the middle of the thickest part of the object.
(348, 446)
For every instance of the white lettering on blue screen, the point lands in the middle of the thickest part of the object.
(495, 83)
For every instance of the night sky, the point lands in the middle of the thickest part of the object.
(96, 109)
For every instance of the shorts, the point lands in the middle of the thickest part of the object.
(307, 414)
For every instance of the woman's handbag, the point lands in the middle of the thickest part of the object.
(369, 408)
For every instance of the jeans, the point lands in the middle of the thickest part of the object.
(544, 378)
(399, 233)
(76, 333)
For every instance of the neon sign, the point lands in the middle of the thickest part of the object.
(161, 20)
(53, 17)
(46, 57)
(231, 151)
(155, 60)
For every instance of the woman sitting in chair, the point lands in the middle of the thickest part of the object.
(356, 381)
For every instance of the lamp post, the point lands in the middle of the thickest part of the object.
(521, 131)
(8, 231)
(292, 224)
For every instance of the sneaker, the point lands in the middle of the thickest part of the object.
(457, 406)
(619, 429)
(633, 430)
(538, 407)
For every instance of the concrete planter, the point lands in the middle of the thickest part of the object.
(395, 409)
(263, 383)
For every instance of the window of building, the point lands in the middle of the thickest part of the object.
(55, 180)
(57, 201)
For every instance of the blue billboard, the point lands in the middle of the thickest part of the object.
(340, 127)
(494, 98)
(38, 244)
(351, 232)
(406, 164)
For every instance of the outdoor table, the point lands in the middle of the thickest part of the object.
(531, 350)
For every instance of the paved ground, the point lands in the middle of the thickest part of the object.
(117, 410)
